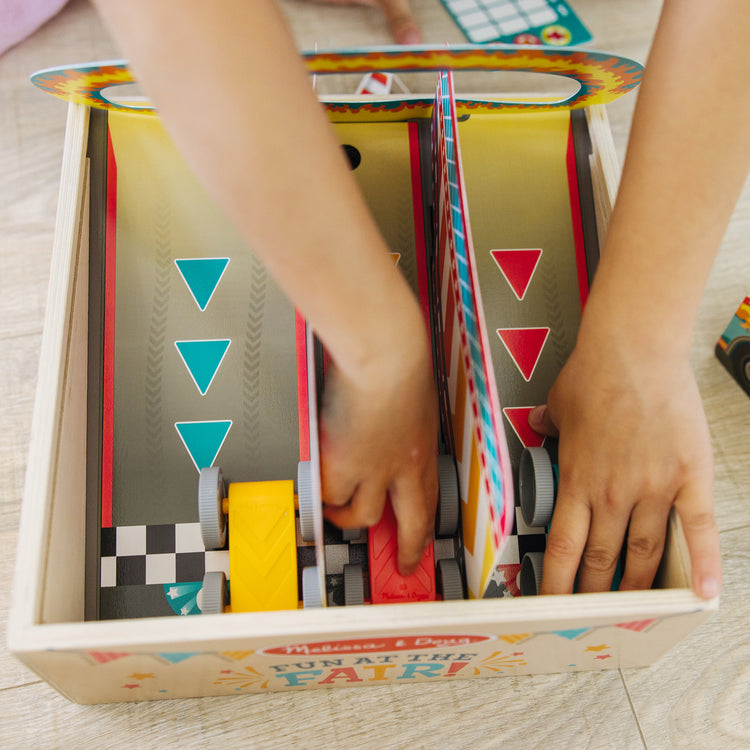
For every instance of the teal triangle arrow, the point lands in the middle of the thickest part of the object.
(202, 276)
(203, 359)
(203, 440)
(571, 634)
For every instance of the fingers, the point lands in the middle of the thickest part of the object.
(401, 22)
(601, 551)
(414, 499)
(644, 545)
(363, 509)
(540, 421)
(565, 544)
(584, 545)
(702, 536)
(398, 15)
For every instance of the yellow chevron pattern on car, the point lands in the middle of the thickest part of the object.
(262, 540)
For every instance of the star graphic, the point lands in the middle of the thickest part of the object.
(597, 648)
(130, 687)
(603, 656)
(517, 653)
(141, 675)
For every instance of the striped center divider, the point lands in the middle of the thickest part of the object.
(493, 456)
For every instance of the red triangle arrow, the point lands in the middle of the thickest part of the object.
(518, 267)
(638, 625)
(519, 420)
(524, 346)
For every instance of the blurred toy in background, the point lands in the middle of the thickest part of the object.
(21, 18)
(733, 346)
(548, 22)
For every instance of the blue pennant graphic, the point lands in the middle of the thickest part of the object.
(571, 634)
(202, 276)
(203, 359)
(182, 597)
(203, 440)
(176, 658)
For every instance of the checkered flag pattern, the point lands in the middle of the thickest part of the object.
(159, 554)
(174, 553)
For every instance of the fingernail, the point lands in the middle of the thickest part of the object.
(709, 587)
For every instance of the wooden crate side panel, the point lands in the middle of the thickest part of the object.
(30, 580)
(115, 673)
(63, 594)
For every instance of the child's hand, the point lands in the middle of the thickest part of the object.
(379, 437)
(398, 14)
(633, 443)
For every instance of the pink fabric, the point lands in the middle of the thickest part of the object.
(20, 18)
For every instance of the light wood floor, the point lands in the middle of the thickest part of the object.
(697, 696)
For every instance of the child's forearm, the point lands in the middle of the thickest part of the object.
(277, 168)
(234, 95)
(687, 160)
(634, 442)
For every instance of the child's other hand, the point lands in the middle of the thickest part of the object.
(633, 443)
(398, 14)
(379, 437)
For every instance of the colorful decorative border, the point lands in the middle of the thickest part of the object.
(474, 345)
(601, 77)
(422, 656)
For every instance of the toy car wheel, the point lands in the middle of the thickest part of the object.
(530, 576)
(741, 365)
(354, 585)
(305, 501)
(213, 520)
(214, 593)
(311, 595)
(449, 580)
(536, 487)
(446, 519)
(351, 535)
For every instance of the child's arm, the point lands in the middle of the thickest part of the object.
(233, 94)
(633, 435)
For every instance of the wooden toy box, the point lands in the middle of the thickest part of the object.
(167, 657)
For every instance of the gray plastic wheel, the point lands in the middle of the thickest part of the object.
(530, 576)
(214, 594)
(354, 585)
(305, 500)
(311, 588)
(449, 501)
(211, 494)
(536, 487)
(449, 580)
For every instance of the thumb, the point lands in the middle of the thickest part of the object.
(401, 22)
(540, 421)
